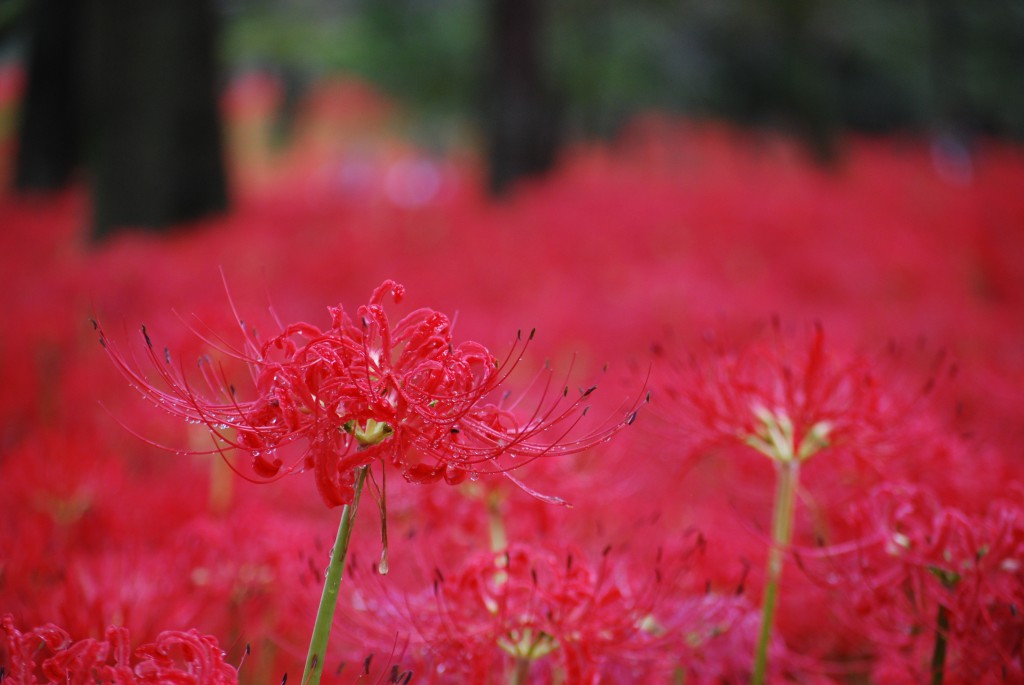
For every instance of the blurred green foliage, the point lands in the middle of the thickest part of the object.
(425, 54)
(815, 66)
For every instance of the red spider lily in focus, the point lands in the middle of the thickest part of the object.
(47, 655)
(365, 390)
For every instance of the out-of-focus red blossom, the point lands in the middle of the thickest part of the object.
(915, 559)
(791, 397)
(47, 655)
(359, 392)
(712, 637)
(560, 618)
(81, 560)
(726, 396)
(522, 607)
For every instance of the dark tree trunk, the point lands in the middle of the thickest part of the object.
(522, 121)
(128, 87)
(153, 110)
(50, 128)
(804, 84)
(943, 25)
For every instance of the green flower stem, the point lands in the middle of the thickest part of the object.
(521, 671)
(939, 654)
(787, 476)
(332, 584)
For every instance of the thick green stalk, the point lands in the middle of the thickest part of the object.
(787, 476)
(332, 584)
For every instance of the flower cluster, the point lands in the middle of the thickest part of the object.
(935, 588)
(47, 655)
(541, 615)
(366, 390)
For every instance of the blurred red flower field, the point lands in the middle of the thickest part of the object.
(864, 323)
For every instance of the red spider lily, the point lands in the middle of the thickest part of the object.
(788, 402)
(536, 615)
(523, 610)
(359, 392)
(784, 399)
(47, 655)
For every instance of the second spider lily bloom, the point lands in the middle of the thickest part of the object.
(788, 402)
(785, 399)
(366, 389)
